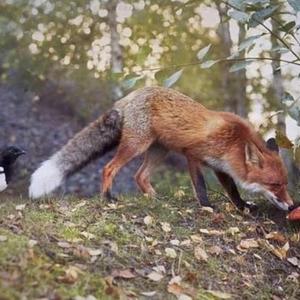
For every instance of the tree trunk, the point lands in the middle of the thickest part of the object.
(116, 61)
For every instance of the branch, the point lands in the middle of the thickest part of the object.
(268, 29)
(222, 60)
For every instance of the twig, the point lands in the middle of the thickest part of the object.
(268, 29)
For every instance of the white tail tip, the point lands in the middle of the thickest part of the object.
(45, 179)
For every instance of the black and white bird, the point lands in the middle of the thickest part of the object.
(8, 156)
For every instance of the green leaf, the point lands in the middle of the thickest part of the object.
(239, 66)
(201, 54)
(116, 75)
(239, 4)
(130, 82)
(294, 111)
(207, 64)
(261, 15)
(280, 49)
(288, 26)
(248, 42)
(239, 16)
(173, 78)
(295, 4)
(287, 97)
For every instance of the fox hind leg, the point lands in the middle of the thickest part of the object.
(154, 156)
(128, 149)
(198, 182)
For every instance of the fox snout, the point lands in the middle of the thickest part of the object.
(282, 199)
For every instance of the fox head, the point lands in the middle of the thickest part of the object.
(267, 174)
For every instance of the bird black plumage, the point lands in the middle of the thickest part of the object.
(8, 157)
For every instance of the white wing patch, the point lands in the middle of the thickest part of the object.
(3, 183)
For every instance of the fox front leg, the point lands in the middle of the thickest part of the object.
(198, 182)
(232, 191)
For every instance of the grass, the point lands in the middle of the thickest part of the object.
(46, 250)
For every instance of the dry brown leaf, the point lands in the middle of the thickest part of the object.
(160, 269)
(94, 252)
(233, 230)
(215, 250)
(207, 209)
(126, 274)
(149, 294)
(248, 243)
(279, 252)
(148, 220)
(200, 254)
(64, 244)
(70, 276)
(219, 295)
(175, 289)
(165, 226)
(276, 236)
(20, 207)
(155, 276)
(212, 232)
(196, 238)
(294, 261)
(87, 235)
(3, 238)
(170, 252)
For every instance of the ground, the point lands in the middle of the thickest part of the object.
(140, 248)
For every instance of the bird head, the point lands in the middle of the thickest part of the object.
(11, 153)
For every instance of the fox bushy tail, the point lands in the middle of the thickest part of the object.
(90, 143)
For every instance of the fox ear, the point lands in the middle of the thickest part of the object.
(272, 145)
(253, 155)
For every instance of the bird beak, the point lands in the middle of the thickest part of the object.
(22, 152)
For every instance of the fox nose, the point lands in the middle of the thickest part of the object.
(294, 206)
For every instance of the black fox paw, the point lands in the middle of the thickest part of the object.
(109, 197)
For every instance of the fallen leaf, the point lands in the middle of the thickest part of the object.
(175, 289)
(179, 194)
(279, 252)
(294, 261)
(196, 238)
(70, 276)
(175, 242)
(3, 238)
(276, 236)
(155, 276)
(170, 252)
(94, 252)
(215, 250)
(233, 230)
(20, 207)
(248, 243)
(160, 269)
(32, 243)
(200, 254)
(211, 232)
(219, 295)
(165, 226)
(149, 294)
(126, 274)
(184, 297)
(87, 235)
(293, 277)
(64, 244)
(148, 220)
(207, 209)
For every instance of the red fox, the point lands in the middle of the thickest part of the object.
(154, 120)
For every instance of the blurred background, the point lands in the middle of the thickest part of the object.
(63, 63)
